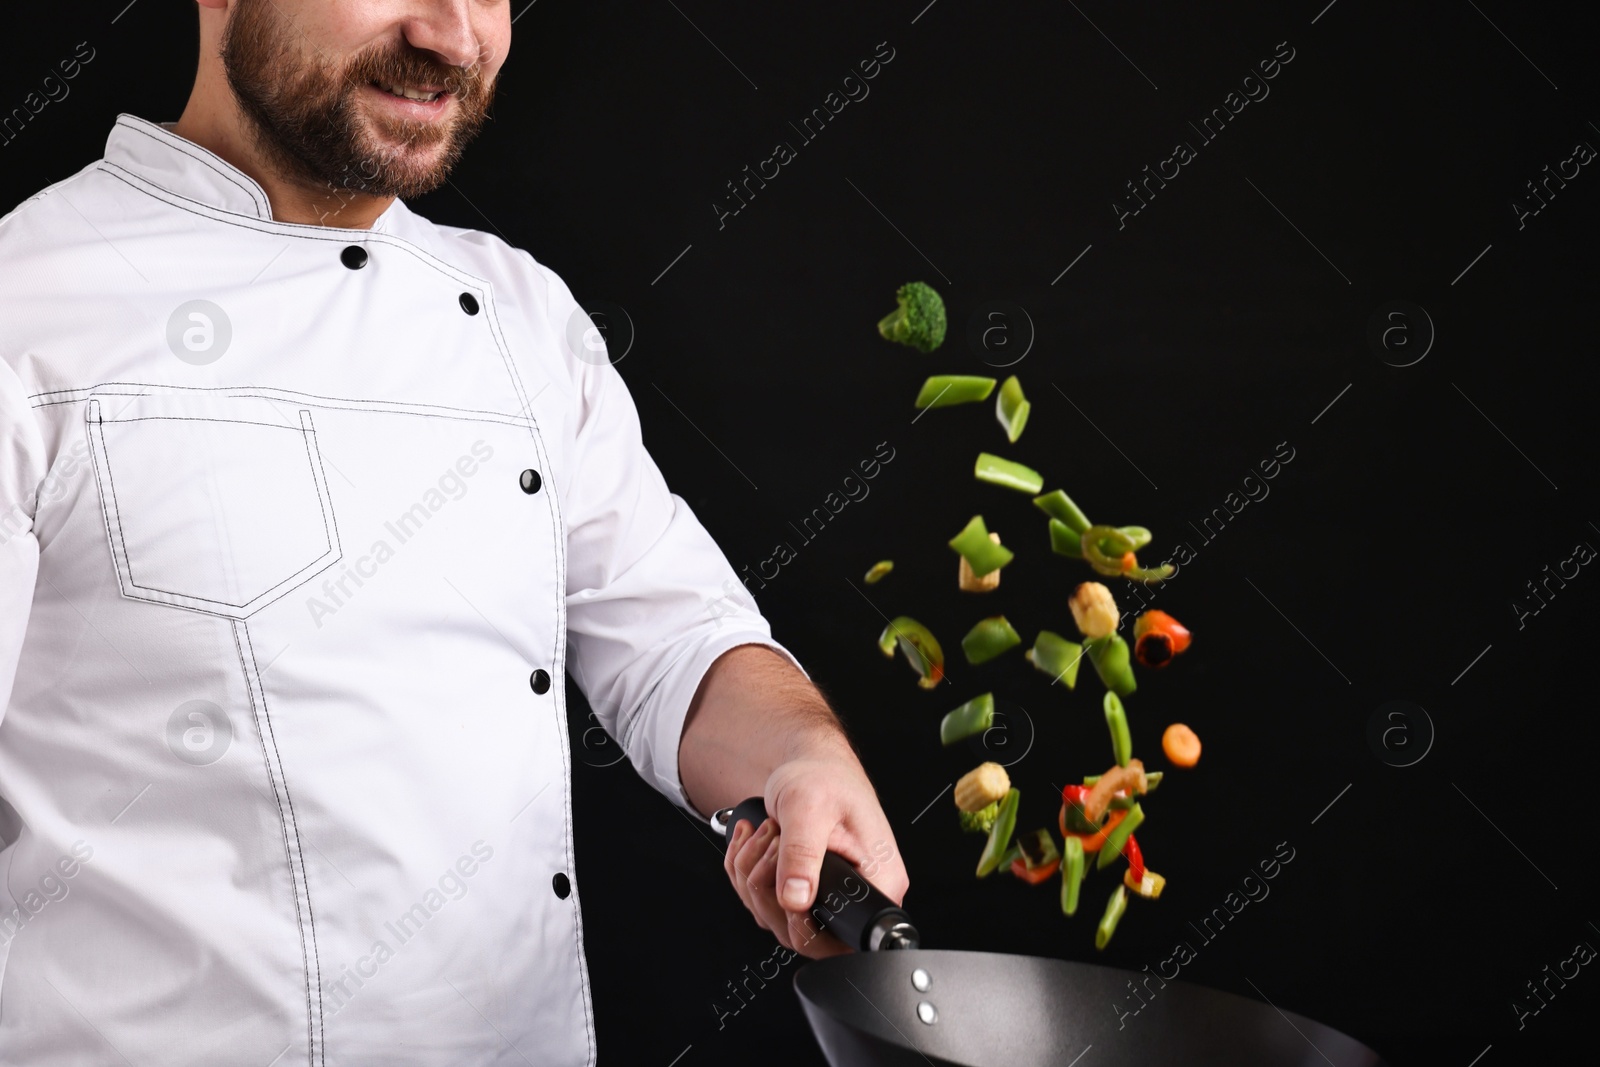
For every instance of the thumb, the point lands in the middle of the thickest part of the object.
(804, 828)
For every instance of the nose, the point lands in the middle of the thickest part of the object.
(445, 28)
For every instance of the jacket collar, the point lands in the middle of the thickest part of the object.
(181, 167)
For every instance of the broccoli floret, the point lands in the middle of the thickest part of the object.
(980, 821)
(918, 321)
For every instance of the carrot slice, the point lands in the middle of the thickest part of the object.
(1181, 745)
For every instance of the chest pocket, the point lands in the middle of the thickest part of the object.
(213, 503)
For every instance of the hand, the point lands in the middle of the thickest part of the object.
(814, 804)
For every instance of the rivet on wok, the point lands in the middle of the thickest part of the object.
(927, 1012)
(920, 979)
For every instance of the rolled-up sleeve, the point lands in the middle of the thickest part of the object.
(651, 600)
(21, 471)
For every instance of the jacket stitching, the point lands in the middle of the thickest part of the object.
(308, 434)
(290, 229)
(492, 319)
(267, 746)
(317, 233)
(389, 406)
(114, 541)
(292, 582)
(180, 145)
(311, 917)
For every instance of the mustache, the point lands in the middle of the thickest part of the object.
(397, 67)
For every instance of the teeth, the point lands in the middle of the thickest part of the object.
(409, 94)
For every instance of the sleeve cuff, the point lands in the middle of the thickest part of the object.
(655, 757)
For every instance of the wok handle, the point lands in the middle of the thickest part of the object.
(846, 904)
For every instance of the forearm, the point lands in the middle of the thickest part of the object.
(752, 712)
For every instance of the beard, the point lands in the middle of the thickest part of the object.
(307, 116)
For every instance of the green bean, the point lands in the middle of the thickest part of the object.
(1111, 660)
(1064, 541)
(1000, 834)
(1059, 506)
(1012, 408)
(943, 390)
(1118, 837)
(1072, 872)
(996, 471)
(1117, 721)
(1108, 922)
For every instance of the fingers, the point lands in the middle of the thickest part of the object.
(807, 826)
(742, 834)
(763, 901)
(751, 851)
(760, 860)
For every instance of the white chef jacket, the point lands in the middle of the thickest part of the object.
(287, 580)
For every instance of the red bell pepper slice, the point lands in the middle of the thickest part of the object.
(1135, 858)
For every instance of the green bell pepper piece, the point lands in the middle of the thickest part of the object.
(1000, 834)
(1117, 722)
(920, 646)
(1038, 848)
(1058, 505)
(1056, 656)
(945, 390)
(1108, 922)
(1012, 408)
(973, 717)
(1063, 541)
(988, 639)
(1073, 869)
(1118, 837)
(1109, 654)
(996, 471)
(879, 569)
(981, 554)
(1138, 535)
(1104, 547)
(1150, 574)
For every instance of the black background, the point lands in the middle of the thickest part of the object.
(1197, 338)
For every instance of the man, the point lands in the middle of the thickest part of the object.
(303, 497)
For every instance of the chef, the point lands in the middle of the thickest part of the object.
(306, 504)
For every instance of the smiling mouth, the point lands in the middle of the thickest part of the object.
(405, 92)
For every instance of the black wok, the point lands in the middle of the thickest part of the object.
(891, 1003)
